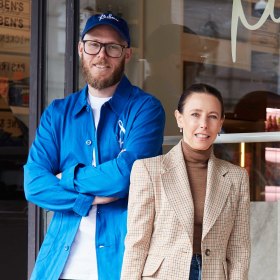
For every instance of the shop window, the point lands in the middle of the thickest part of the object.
(14, 120)
(250, 85)
(179, 42)
(189, 41)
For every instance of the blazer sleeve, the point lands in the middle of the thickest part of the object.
(238, 250)
(141, 212)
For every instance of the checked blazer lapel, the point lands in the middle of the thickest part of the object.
(217, 191)
(177, 189)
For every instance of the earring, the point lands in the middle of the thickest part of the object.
(181, 129)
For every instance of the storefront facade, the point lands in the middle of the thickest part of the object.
(232, 45)
(14, 112)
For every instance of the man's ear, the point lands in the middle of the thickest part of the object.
(128, 54)
(80, 48)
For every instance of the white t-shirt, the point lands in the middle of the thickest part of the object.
(81, 263)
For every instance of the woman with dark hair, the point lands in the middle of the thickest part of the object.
(188, 211)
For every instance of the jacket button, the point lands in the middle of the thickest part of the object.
(207, 252)
(66, 248)
(88, 142)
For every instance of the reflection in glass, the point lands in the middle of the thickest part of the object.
(248, 86)
(262, 162)
(56, 22)
(14, 115)
(55, 64)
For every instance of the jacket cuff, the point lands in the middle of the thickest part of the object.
(67, 178)
(83, 204)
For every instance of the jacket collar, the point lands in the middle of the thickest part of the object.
(175, 157)
(177, 188)
(81, 101)
(117, 102)
(121, 95)
(217, 191)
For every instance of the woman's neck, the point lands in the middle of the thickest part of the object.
(192, 155)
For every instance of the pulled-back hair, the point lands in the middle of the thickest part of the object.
(200, 88)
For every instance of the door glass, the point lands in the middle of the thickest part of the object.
(14, 115)
(55, 63)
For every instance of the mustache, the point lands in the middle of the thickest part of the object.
(101, 62)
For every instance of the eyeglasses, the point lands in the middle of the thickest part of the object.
(111, 49)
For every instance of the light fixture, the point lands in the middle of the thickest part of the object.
(242, 154)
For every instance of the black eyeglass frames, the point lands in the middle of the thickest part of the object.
(112, 50)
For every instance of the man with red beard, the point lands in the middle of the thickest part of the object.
(80, 161)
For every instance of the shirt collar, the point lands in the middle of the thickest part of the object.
(117, 102)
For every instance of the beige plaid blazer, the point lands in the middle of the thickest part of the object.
(161, 216)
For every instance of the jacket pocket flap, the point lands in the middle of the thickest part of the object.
(152, 265)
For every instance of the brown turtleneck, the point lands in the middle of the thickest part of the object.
(196, 163)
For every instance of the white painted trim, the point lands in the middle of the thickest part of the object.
(234, 138)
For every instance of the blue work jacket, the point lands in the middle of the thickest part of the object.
(131, 126)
